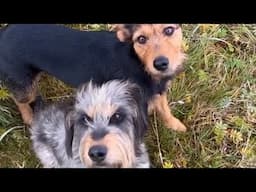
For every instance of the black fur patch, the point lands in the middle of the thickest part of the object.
(27, 49)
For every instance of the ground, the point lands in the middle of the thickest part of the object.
(215, 97)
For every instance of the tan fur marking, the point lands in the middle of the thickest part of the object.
(120, 150)
(24, 108)
(160, 104)
(105, 110)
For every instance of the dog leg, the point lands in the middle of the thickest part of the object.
(26, 112)
(161, 106)
(23, 98)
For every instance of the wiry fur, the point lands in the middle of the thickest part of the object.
(62, 136)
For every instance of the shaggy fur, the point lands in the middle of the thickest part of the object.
(104, 127)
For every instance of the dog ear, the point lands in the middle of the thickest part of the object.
(38, 104)
(70, 118)
(124, 32)
(141, 121)
(69, 127)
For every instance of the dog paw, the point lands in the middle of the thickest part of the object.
(176, 125)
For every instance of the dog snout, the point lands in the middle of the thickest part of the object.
(161, 63)
(99, 134)
(97, 153)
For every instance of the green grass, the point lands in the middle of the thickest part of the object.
(215, 97)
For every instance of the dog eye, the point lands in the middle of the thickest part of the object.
(86, 118)
(142, 39)
(116, 118)
(168, 31)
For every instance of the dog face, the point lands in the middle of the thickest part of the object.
(159, 46)
(107, 125)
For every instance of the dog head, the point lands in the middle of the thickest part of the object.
(107, 125)
(159, 46)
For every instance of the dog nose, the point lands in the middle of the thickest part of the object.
(161, 63)
(97, 153)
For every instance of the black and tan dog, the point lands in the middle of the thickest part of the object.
(151, 58)
(103, 128)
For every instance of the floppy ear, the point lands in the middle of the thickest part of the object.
(71, 118)
(38, 104)
(141, 121)
(124, 32)
(69, 126)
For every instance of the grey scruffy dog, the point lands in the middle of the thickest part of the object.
(103, 128)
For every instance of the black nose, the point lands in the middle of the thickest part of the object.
(161, 63)
(97, 153)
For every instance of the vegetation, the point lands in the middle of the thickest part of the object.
(215, 97)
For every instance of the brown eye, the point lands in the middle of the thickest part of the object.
(142, 39)
(116, 118)
(168, 31)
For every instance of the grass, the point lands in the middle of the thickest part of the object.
(215, 97)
